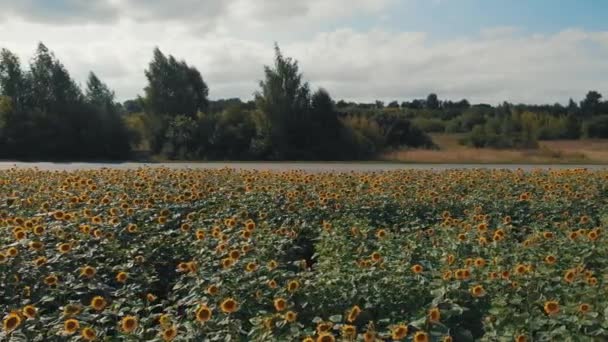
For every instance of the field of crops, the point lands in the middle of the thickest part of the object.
(225, 255)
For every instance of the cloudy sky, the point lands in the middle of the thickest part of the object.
(537, 51)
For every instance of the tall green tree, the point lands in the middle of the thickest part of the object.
(284, 98)
(174, 88)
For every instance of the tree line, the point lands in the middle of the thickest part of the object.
(46, 115)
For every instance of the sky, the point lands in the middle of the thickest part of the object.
(522, 51)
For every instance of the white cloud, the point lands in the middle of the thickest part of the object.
(499, 63)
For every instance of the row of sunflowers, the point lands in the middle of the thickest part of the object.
(156, 254)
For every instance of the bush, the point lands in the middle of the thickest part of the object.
(596, 127)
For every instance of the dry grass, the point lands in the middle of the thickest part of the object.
(549, 152)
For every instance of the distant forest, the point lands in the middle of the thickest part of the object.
(46, 115)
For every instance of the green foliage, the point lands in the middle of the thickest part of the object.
(50, 118)
(597, 127)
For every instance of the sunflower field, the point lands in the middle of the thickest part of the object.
(155, 254)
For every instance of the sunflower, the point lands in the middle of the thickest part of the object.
(227, 262)
(477, 291)
(417, 269)
(88, 272)
(569, 275)
(521, 338)
(213, 290)
(234, 254)
(324, 327)
(88, 334)
(293, 286)
(326, 337)
(70, 326)
(51, 280)
(36, 245)
(229, 305)
(203, 313)
(480, 262)
(434, 315)
(12, 252)
(251, 266)
(169, 334)
(280, 304)
(353, 313)
(132, 228)
(98, 303)
(584, 308)
(421, 336)
(38, 230)
(11, 322)
(29, 311)
(200, 234)
(551, 307)
(121, 277)
(447, 339)
(369, 336)
(349, 331)
(376, 256)
(290, 316)
(40, 261)
(550, 259)
(399, 332)
(71, 310)
(128, 324)
(308, 339)
(272, 264)
(381, 234)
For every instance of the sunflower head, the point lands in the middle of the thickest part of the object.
(203, 313)
(11, 322)
(70, 326)
(128, 324)
(229, 305)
